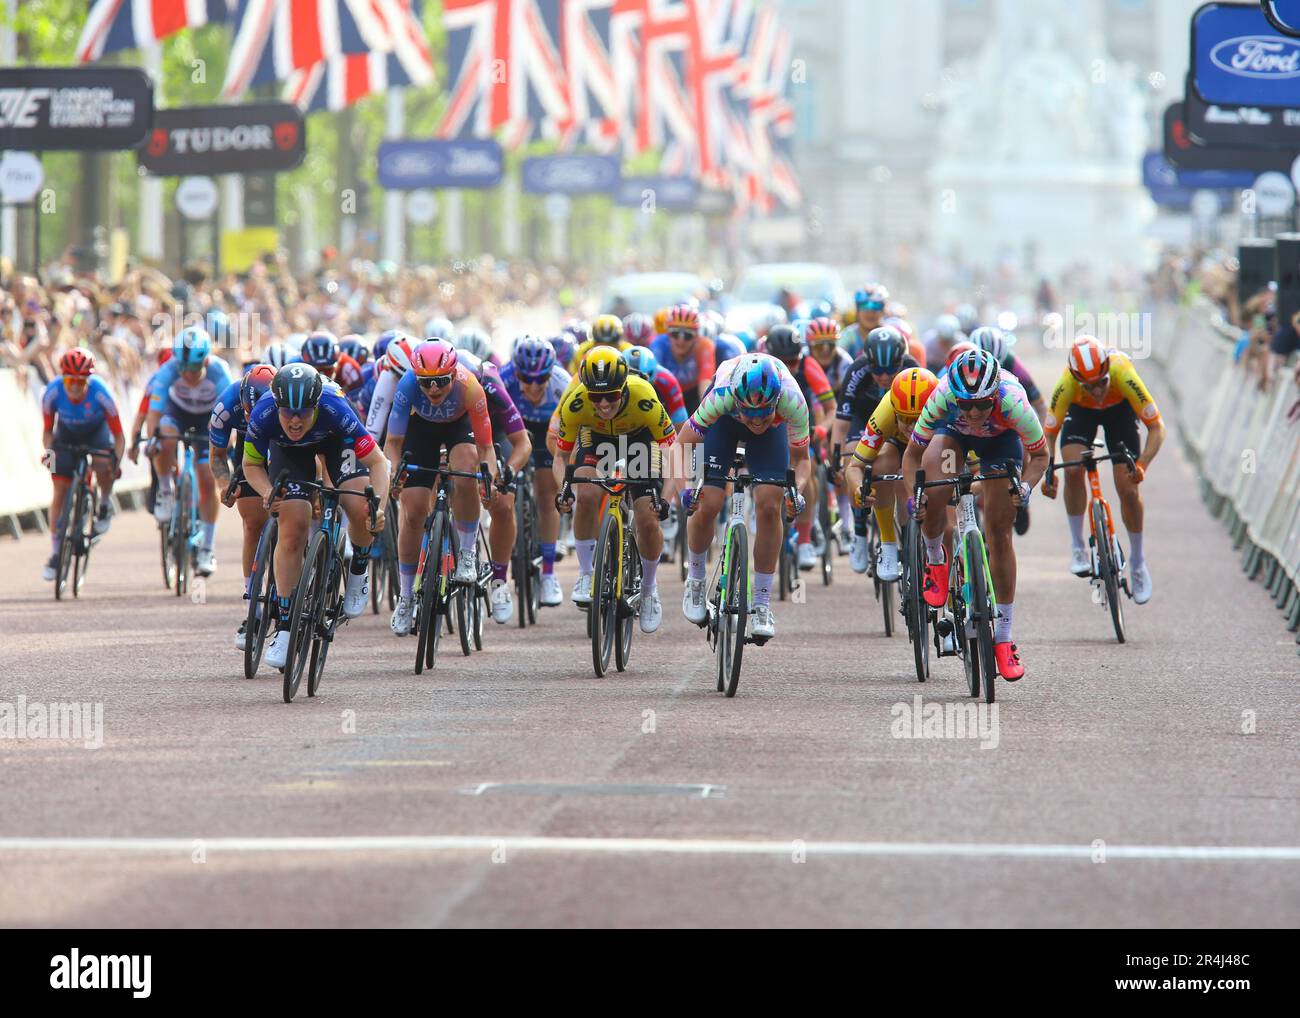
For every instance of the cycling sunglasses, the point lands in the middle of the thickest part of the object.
(298, 415)
(976, 404)
(605, 397)
(1104, 380)
(681, 334)
(755, 411)
(535, 379)
(872, 305)
(434, 381)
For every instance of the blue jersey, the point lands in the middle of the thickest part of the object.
(335, 418)
(227, 416)
(727, 347)
(87, 414)
(168, 387)
(535, 413)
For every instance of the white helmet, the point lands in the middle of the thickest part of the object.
(275, 355)
(947, 326)
(293, 345)
(476, 341)
(397, 358)
(439, 328)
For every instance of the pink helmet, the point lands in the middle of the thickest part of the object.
(432, 358)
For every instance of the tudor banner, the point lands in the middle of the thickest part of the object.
(1241, 126)
(1185, 154)
(208, 140)
(54, 109)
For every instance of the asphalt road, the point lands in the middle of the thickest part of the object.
(1150, 784)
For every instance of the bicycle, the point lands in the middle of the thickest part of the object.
(76, 522)
(526, 559)
(317, 604)
(971, 597)
(385, 572)
(732, 585)
(883, 589)
(180, 534)
(261, 594)
(434, 578)
(916, 613)
(1106, 555)
(824, 489)
(616, 570)
(469, 600)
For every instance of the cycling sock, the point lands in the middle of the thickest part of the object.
(885, 518)
(649, 569)
(248, 582)
(209, 536)
(499, 570)
(804, 529)
(407, 577)
(282, 622)
(56, 540)
(165, 483)
(859, 523)
(934, 550)
(106, 502)
(360, 560)
(548, 558)
(763, 588)
(586, 552)
(467, 533)
(1002, 627)
(845, 506)
(1076, 530)
(1135, 558)
(695, 564)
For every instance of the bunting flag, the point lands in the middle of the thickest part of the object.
(599, 104)
(114, 25)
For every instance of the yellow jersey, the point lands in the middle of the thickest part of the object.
(641, 409)
(885, 423)
(1125, 384)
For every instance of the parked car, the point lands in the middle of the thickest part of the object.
(801, 288)
(647, 292)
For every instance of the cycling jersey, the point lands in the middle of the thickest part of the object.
(1017, 368)
(670, 395)
(335, 419)
(347, 373)
(884, 425)
(1011, 412)
(694, 372)
(227, 416)
(1125, 384)
(813, 383)
(556, 386)
(838, 370)
(381, 400)
(465, 399)
(726, 347)
(96, 407)
(853, 340)
(502, 412)
(859, 395)
(719, 402)
(641, 409)
(168, 388)
(584, 348)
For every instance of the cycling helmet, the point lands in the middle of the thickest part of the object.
(275, 355)
(871, 297)
(895, 322)
(533, 358)
(439, 328)
(433, 358)
(756, 385)
(965, 346)
(1089, 360)
(78, 363)
(218, 325)
(398, 355)
(747, 339)
(256, 381)
(638, 328)
(386, 337)
(577, 328)
(293, 345)
(708, 327)
(910, 389)
(885, 349)
(990, 338)
(476, 341)
(784, 343)
(191, 348)
(607, 330)
(603, 370)
(297, 387)
(968, 318)
(164, 355)
(355, 347)
(321, 351)
(974, 375)
(564, 346)
(947, 327)
(683, 317)
(466, 360)
(641, 361)
(822, 330)
(661, 321)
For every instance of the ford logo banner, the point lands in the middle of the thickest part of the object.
(1284, 15)
(1239, 59)
(571, 174)
(412, 165)
(651, 193)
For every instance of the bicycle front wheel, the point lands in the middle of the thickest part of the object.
(181, 522)
(630, 588)
(428, 602)
(918, 612)
(983, 618)
(302, 614)
(735, 608)
(66, 529)
(1108, 568)
(329, 607)
(603, 614)
(81, 528)
(261, 600)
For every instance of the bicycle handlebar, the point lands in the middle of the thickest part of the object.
(612, 486)
(1089, 460)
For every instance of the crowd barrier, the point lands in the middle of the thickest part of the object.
(25, 487)
(1242, 444)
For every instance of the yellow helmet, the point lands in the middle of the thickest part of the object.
(607, 330)
(661, 321)
(603, 370)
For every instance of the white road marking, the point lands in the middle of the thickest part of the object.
(651, 846)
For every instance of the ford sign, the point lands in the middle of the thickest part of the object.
(1239, 59)
(413, 165)
(571, 174)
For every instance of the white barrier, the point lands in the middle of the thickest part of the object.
(1246, 449)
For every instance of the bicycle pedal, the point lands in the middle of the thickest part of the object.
(757, 641)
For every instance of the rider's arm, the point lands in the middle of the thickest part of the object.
(1139, 398)
(381, 402)
(477, 408)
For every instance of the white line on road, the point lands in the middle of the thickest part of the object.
(652, 846)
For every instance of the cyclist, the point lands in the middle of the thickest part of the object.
(883, 441)
(915, 348)
(479, 343)
(978, 408)
(1101, 388)
(996, 342)
(398, 348)
(79, 410)
(607, 330)
(641, 362)
(276, 355)
(181, 399)
(613, 413)
(438, 403)
(230, 415)
(439, 327)
(884, 355)
(755, 400)
(300, 418)
(940, 340)
(822, 336)
(354, 346)
(536, 382)
(638, 329)
(870, 302)
(690, 357)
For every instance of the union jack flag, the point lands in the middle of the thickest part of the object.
(599, 103)
(649, 39)
(114, 25)
(506, 71)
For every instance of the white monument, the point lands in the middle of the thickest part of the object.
(1040, 146)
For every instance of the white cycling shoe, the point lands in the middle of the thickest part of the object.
(467, 567)
(859, 554)
(693, 604)
(400, 623)
(277, 651)
(761, 623)
(889, 567)
(502, 601)
(163, 505)
(1140, 581)
(357, 593)
(652, 610)
(241, 638)
(51, 570)
(552, 593)
(807, 556)
(205, 562)
(1080, 563)
(582, 590)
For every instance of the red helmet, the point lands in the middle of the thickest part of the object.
(685, 317)
(433, 358)
(1089, 360)
(164, 355)
(77, 363)
(822, 329)
(958, 349)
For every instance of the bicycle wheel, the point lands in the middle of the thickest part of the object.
(461, 599)
(602, 618)
(1108, 568)
(983, 618)
(683, 549)
(428, 603)
(83, 520)
(966, 647)
(329, 608)
(737, 607)
(785, 584)
(887, 605)
(168, 562)
(918, 612)
(65, 542)
(302, 614)
(378, 576)
(181, 523)
(261, 599)
(824, 518)
(520, 557)
(624, 599)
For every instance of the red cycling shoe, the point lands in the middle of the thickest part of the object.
(935, 588)
(1009, 666)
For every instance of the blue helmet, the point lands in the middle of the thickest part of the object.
(381, 344)
(756, 385)
(974, 375)
(640, 361)
(276, 355)
(355, 347)
(191, 348)
(321, 350)
(564, 346)
(533, 358)
(219, 327)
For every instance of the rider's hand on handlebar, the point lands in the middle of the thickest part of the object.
(378, 525)
(563, 502)
(916, 507)
(1049, 486)
(47, 459)
(230, 495)
(1021, 495)
(1139, 473)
